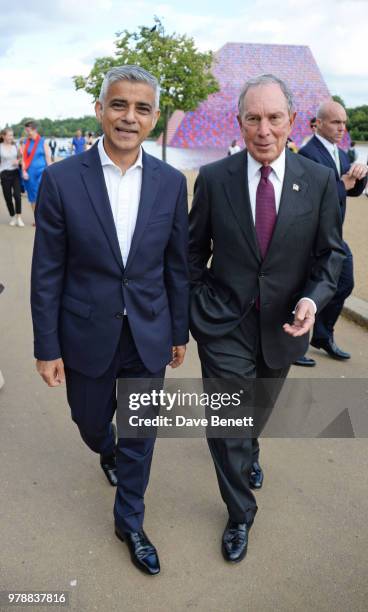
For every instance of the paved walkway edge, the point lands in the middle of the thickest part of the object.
(356, 310)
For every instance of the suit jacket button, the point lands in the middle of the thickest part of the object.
(125, 281)
(119, 315)
(261, 275)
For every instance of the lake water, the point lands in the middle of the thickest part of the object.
(188, 159)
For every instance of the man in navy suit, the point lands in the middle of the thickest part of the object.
(110, 284)
(350, 180)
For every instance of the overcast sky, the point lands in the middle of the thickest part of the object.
(43, 43)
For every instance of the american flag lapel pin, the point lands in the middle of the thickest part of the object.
(296, 187)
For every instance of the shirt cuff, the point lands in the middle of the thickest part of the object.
(309, 300)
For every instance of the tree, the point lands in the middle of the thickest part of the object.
(59, 127)
(184, 73)
(338, 99)
(358, 122)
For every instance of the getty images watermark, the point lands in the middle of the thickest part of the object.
(302, 408)
(167, 401)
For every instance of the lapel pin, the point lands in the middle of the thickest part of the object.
(296, 187)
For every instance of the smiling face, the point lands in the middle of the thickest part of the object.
(127, 115)
(8, 136)
(265, 122)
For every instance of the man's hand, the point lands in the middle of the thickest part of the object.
(358, 171)
(178, 353)
(303, 320)
(349, 181)
(52, 372)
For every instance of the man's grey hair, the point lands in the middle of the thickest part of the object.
(134, 74)
(266, 79)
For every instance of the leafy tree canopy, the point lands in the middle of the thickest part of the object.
(339, 100)
(183, 72)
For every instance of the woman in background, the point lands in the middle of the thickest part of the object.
(10, 178)
(36, 156)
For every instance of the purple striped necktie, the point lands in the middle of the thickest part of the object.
(265, 210)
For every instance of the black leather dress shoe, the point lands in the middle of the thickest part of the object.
(108, 463)
(331, 348)
(256, 476)
(142, 552)
(304, 361)
(235, 541)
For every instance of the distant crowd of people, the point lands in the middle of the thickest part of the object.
(22, 164)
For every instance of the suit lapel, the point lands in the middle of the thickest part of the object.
(236, 189)
(329, 162)
(93, 178)
(292, 201)
(150, 183)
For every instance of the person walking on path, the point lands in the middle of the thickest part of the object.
(233, 148)
(351, 179)
(268, 221)
(90, 141)
(53, 147)
(10, 177)
(110, 285)
(78, 143)
(36, 157)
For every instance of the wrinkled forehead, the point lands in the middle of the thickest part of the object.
(135, 91)
(265, 98)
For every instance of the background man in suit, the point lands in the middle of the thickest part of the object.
(270, 221)
(350, 180)
(110, 284)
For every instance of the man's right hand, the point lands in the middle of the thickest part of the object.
(52, 372)
(349, 181)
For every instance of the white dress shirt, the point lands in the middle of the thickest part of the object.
(124, 191)
(333, 151)
(277, 179)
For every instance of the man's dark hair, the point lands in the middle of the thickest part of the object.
(32, 124)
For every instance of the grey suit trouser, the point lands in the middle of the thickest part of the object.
(236, 357)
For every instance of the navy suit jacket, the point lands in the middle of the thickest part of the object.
(315, 150)
(80, 286)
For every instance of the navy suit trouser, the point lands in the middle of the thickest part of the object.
(93, 403)
(326, 319)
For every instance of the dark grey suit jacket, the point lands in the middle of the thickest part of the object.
(304, 258)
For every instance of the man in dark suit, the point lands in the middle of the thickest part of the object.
(269, 220)
(110, 284)
(350, 180)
